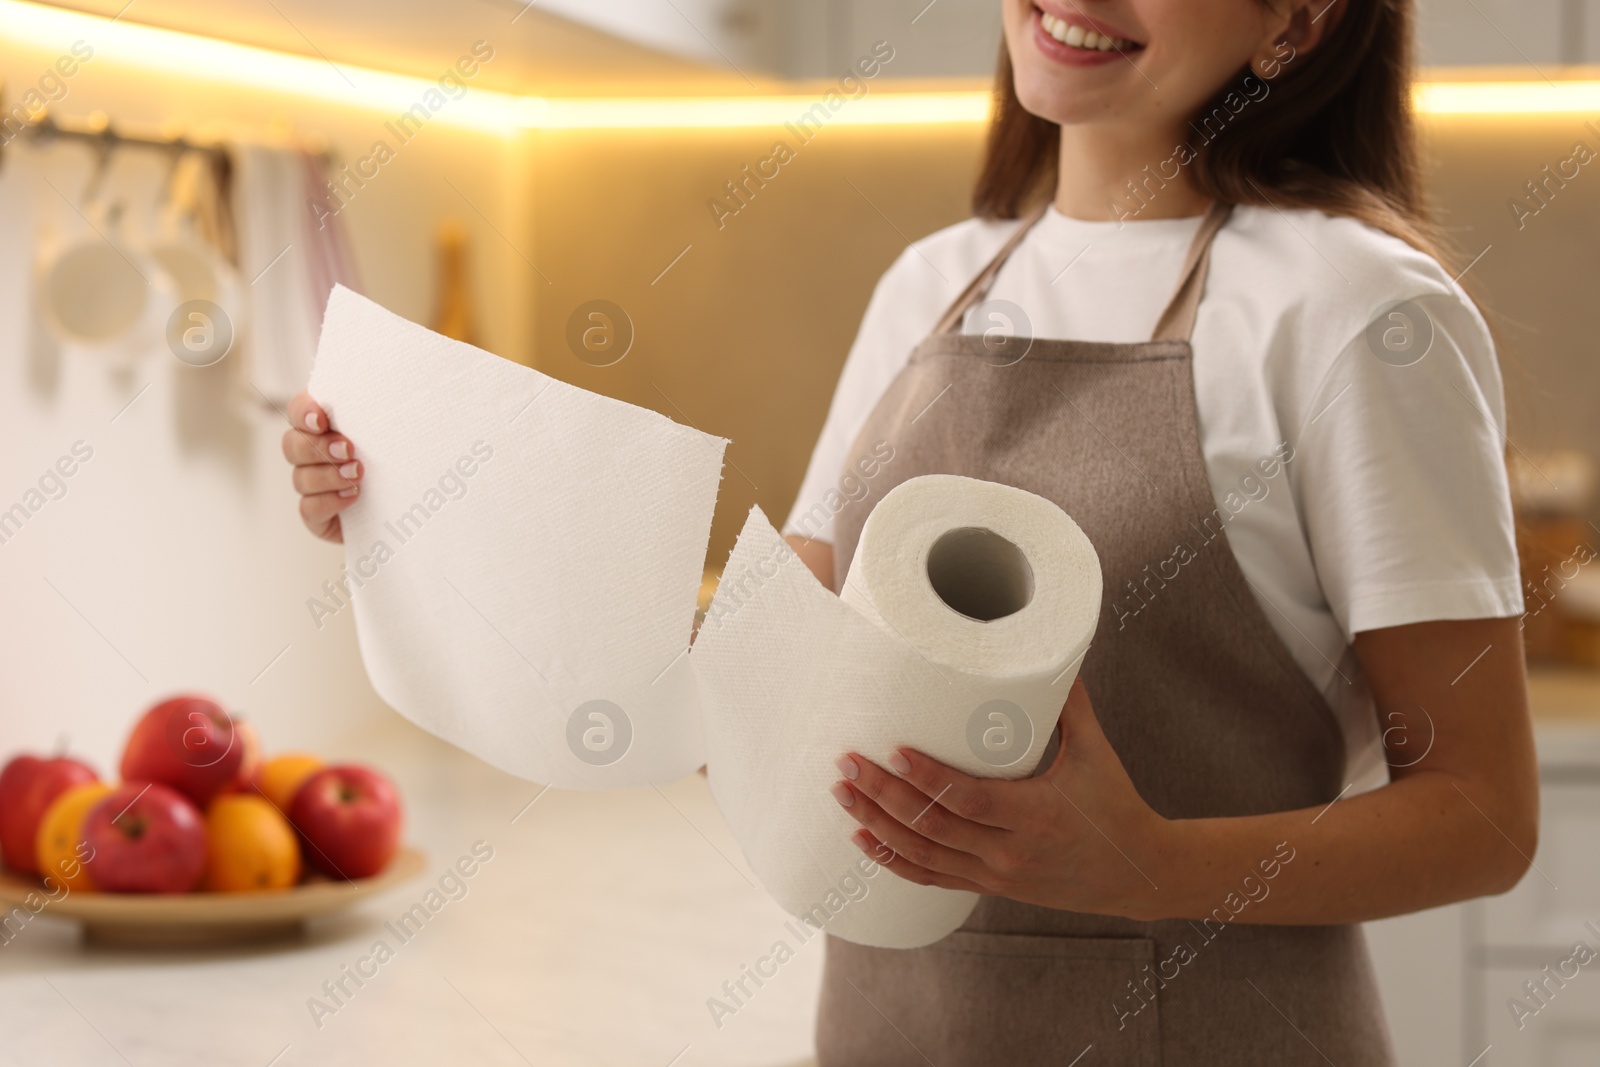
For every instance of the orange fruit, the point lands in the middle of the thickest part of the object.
(249, 846)
(60, 849)
(281, 777)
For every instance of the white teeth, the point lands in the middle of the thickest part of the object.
(1076, 36)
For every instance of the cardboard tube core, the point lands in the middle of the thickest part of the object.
(980, 574)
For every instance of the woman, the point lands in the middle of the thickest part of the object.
(1279, 421)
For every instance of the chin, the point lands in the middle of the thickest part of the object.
(1070, 67)
(1047, 100)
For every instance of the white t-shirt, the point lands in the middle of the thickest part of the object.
(1394, 508)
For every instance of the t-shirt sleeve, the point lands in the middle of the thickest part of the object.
(890, 329)
(1401, 474)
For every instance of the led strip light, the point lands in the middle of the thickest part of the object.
(223, 62)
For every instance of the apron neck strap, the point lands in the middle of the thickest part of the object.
(1176, 321)
(978, 288)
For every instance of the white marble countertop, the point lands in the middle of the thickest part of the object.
(595, 935)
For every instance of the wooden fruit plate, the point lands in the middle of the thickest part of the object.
(204, 918)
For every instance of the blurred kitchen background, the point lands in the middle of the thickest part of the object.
(185, 157)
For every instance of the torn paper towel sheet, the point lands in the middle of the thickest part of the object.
(965, 615)
(525, 556)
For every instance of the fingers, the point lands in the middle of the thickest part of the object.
(902, 832)
(308, 439)
(327, 474)
(887, 858)
(977, 800)
(326, 478)
(301, 448)
(906, 804)
(320, 513)
(306, 414)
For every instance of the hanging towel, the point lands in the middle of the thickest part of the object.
(293, 251)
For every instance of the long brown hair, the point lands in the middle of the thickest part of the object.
(1333, 132)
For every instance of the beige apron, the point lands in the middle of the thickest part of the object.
(1202, 701)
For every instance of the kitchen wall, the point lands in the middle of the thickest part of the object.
(745, 335)
(1538, 274)
(176, 559)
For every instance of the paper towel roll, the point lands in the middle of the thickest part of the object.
(523, 564)
(965, 615)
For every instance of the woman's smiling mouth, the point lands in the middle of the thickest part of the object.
(1071, 37)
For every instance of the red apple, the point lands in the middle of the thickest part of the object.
(349, 817)
(28, 786)
(249, 772)
(252, 758)
(188, 743)
(146, 839)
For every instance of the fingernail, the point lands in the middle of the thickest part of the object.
(313, 422)
(349, 469)
(847, 767)
(339, 450)
(859, 840)
(899, 764)
(841, 793)
(352, 491)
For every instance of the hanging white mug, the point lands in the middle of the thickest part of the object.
(98, 292)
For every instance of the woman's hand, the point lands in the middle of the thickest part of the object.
(1077, 837)
(1459, 818)
(327, 474)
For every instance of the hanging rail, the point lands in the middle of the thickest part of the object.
(98, 130)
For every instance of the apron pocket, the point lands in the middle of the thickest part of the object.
(991, 1000)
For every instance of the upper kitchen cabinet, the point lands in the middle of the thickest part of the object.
(960, 38)
(806, 38)
(696, 47)
(1509, 33)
